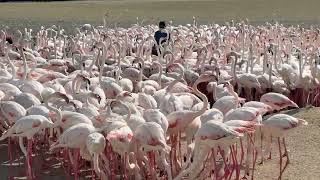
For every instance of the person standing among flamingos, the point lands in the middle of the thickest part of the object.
(159, 35)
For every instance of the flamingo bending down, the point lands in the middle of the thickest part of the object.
(211, 135)
(278, 126)
(27, 126)
(277, 101)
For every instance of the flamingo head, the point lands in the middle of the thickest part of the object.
(96, 96)
(57, 95)
(114, 103)
(174, 65)
(74, 104)
(206, 78)
(227, 84)
(126, 96)
(267, 108)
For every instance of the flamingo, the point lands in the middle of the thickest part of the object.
(278, 126)
(95, 143)
(211, 135)
(27, 126)
(277, 101)
(106, 96)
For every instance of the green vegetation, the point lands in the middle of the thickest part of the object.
(124, 12)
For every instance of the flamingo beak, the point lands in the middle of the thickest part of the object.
(225, 84)
(128, 94)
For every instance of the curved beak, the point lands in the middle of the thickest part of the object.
(128, 94)
(97, 96)
(225, 83)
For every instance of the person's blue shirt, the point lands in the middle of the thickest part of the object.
(161, 33)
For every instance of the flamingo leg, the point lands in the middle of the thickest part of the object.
(180, 154)
(10, 144)
(96, 163)
(125, 165)
(150, 161)
(139, 157)
(134, 167)
(239, 89)
(268, 146)
(234, 152)
(23, 149)
(171, 153)
(249, 152)
(215, 167)
(226, 168)
(261, 145)
(285, 154)
(200, 156)
(113, 165)
(72, 161)
(280, 155)
(10, 150)
(68, 158)
(167, 165)
(92, 172)
(255, 154)
(232, 163)
(106, 165)
(199, 166)
(242, 151)
(175, 159)
(29, 160)
(205, 168)
(75, 163)
(308, 97)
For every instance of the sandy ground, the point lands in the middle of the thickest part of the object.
(124, 12)
(303, 145)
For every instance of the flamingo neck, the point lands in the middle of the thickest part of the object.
(300, 66)
(25, 66)
(214, 91)
(128, 111)
(204, 99)
(76, 84)
(55, 47)
(270, 75)
(234, 67)
(55, 110)
(13, 68)
(141, 70)
(93, 62)
(160, 75)
(264, 60)
(118, 76)
(88, 99)
(275, 58)
(102, 63)
(170, 86)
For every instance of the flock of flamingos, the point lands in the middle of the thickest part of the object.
(208, 106)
